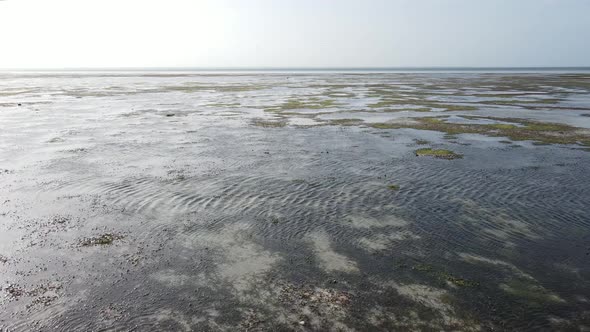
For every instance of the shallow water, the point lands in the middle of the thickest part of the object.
(230, 201)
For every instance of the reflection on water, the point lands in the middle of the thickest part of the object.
(290, 202)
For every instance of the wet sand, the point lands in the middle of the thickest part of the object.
(294, 202)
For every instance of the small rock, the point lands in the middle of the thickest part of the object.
(14, 291)
(104, 239)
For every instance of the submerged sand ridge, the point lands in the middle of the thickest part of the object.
(260, 202)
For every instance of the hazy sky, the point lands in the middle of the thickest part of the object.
(293, 33)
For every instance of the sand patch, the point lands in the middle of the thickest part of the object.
(475, 259)
(172, 278)
(244, 262)
(330, 260)
(435, 299)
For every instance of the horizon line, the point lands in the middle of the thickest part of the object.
(307, 69)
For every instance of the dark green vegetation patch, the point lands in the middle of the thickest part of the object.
(445, 276)
(516, 129)
(440, 153)
(346, 122)
(269, 123)
(101, 240)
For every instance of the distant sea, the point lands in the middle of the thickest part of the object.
(319, 69)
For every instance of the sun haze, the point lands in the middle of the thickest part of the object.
(289, 33)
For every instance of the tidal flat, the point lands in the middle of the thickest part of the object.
(146, 201)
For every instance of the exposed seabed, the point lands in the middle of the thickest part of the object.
(342, 202)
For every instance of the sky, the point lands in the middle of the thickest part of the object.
(293, 33)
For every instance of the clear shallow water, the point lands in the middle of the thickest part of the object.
(233, 202)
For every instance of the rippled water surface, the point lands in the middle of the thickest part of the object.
(222, 202)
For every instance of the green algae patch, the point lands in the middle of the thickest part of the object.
(516, 129)
(536, 126)
(101, 240)
(502, 126)
(311, 103)
(385, 125)
(419, 105)
(453, 107)
(269, 123)
(444, 276)
(440, 153)
(460, 282)
(499, 95)
(393, 187)
(423, 268)
(431, 120)
(279, 112)
(387, 103)
(406, 109)
(293, 104)
(346, 122)
(517, 102)
(230, 105)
